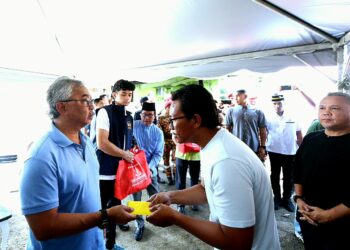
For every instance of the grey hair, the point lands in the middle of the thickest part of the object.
(341, 94)
(60, 90)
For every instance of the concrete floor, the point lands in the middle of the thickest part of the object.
(172, 238)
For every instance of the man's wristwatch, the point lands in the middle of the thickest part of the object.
(296, 197)
(105, 220)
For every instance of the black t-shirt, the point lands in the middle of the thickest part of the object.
(322, 167)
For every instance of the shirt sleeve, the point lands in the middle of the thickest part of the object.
(159, 149)
(228, 117)
(39, 187)
(102, 120)
(297, 165)
(262, 120)
(234, 208)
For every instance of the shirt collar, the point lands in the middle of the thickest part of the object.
(61, 139)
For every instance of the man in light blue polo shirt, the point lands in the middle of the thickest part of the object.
(59, 188)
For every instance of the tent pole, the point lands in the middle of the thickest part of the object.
(315, 69)
(296, 19)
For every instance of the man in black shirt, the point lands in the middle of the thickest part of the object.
(321, 177)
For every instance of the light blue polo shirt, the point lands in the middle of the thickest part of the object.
(61, 174)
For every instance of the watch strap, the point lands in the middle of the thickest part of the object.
(296, 197)
(105, 220)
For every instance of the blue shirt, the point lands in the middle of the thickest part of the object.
(151, 140)
(62, 174)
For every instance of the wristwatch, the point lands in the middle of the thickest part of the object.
(105, 220)
(296, 197)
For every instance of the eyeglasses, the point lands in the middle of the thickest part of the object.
(147, 115)
(174, 119)
(85, 102)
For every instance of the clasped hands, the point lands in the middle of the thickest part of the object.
(312, 215)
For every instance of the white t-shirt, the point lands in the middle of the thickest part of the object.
(238, 189)
(282, 134)
(102, 120)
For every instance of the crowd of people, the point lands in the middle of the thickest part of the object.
(68, 180)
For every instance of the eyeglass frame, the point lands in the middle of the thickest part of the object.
(86, 102)
(171, 121)
(148, 115)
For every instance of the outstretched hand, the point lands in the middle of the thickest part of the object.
(160, 198)
(162, 215)
(121, 214)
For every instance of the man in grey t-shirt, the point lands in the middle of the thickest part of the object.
(248, 124)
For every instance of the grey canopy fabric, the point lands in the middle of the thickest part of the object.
(101, 41)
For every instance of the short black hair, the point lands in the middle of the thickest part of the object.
(143, 99)
(195, 99)
(103, 96)
(241, 91)
(123, 85)
(97, 100)
(340, 94)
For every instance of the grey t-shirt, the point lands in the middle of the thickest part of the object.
(246, 122)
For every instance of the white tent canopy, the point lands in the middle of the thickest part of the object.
(102, 41)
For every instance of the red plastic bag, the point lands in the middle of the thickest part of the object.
(189, 147)
(132, 177)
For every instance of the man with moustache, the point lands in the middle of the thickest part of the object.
(150, 139)
(59, 188)
(321, 177)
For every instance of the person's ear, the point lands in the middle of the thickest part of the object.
(61, 107)
(197, 120)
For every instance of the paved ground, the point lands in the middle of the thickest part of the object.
(171, 238)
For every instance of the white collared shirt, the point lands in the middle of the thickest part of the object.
(282, 134)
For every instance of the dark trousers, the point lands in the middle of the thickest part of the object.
(332, 236)
(284, 162)
(181, 172)
(108, 200)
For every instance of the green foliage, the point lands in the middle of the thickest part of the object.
(164, 88)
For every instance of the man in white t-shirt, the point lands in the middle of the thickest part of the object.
(234, 181)
(284, 136)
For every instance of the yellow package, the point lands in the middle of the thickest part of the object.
(140, 207)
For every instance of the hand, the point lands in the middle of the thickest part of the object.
(162, 215)
(160, 198)
(317, 215)
(262, 153)
(128, 156)
(121, 214)
(304, 208)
